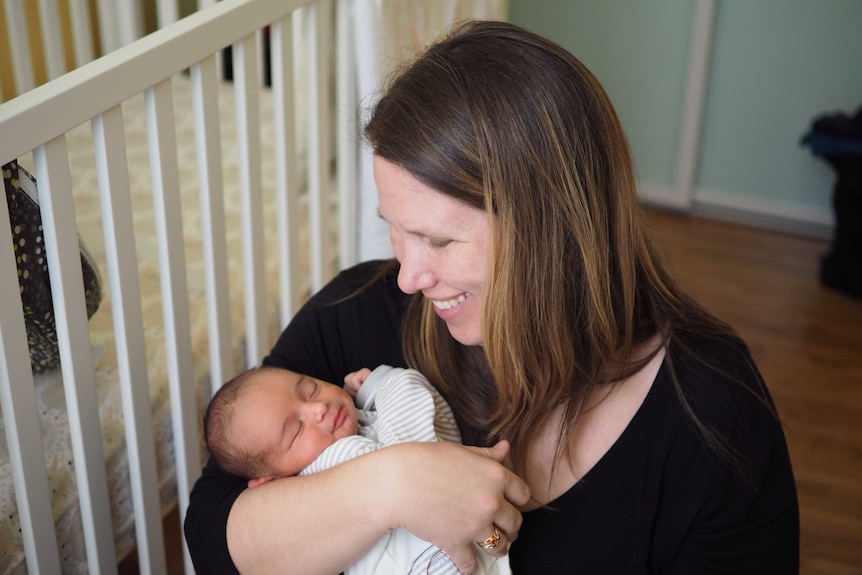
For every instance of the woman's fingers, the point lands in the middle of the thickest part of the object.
(454, 497)
(465, 557)
(516, 490)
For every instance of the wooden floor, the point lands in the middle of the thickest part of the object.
(173, 549)
(807, 341)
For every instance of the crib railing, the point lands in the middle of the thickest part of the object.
(93, 93)
(46, 38)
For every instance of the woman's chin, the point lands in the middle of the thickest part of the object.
(468, 337)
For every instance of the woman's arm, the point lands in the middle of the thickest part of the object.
(444, 493)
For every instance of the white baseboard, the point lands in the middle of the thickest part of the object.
(769, 214)
(662, 196)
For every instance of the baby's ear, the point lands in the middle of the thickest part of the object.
(252, 483)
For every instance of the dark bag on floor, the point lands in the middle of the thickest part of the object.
(837, 138)
(33, 280)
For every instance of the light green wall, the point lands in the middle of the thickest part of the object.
(774, 66)
(639, 52)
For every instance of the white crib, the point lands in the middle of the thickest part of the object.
(213, 210)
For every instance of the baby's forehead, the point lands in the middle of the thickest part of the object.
(265, 387)
(264, 398)
(275, 378)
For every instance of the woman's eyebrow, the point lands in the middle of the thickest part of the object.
(408, 231)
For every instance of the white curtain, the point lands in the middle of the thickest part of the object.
(385, 33)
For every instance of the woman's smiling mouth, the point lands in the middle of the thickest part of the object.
(450, 303)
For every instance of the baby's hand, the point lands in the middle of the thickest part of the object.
(354, 380)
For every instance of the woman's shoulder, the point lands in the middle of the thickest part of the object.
(713, 360)
(717, 380)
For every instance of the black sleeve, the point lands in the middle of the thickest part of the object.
(346, 326)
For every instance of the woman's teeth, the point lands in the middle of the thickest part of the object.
(449, 304)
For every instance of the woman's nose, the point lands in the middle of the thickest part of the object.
(412, 278)
(414, 274)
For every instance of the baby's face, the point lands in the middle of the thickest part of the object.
(293, 417)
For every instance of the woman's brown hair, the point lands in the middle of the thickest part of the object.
(508, 122)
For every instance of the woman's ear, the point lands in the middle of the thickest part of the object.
(252, 483)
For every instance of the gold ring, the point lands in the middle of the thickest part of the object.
(492, 540)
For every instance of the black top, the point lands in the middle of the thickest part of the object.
(659, 501)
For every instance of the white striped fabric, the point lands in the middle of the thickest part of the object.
(395, 405)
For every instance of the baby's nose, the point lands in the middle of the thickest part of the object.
(317, 410)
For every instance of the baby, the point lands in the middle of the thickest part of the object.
(269, 422)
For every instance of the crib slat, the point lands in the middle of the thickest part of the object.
(287, 182)
(67, 287)
(248, 146)
(371, 235)
(109, 32)
(128, 22)
(21, 421)
(318, 27)
(202, 4)
(51, 38)
(79, 11)
(167, 12)
(347, 137)
(169, 232)
(16, 29)
(121, 258)
(119, 23)
(211, 186)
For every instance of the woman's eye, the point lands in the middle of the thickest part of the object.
(438, 243)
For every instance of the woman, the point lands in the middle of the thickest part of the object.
(636, 431)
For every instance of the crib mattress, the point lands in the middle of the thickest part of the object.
(49, 387)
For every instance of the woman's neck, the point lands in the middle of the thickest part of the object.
(609, 411)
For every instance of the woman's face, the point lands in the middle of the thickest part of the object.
(442, 246)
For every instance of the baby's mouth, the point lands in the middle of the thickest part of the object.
(339, 418)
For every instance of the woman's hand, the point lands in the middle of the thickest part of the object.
(452, 496)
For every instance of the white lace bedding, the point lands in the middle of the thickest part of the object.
(49, 388)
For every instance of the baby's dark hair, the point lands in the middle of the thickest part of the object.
(248, 464)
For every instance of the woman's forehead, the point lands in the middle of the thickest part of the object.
(415, 207)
